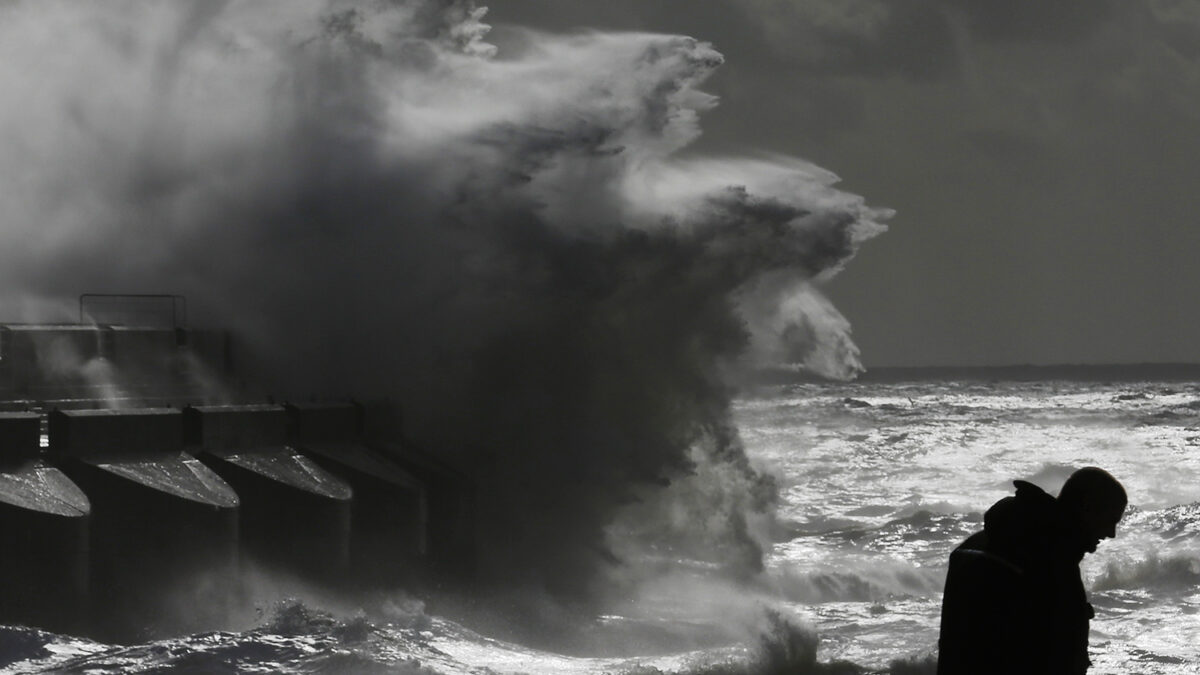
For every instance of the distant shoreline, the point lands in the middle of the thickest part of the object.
(1124, 372)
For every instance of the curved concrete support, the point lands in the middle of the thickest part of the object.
(294, 513)
(164, 526)
(177, 474)
(389, 519)
(38, 487)
(43, 533)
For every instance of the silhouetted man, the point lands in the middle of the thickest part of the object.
(1014, 602)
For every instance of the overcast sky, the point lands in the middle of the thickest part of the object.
(1043, 157)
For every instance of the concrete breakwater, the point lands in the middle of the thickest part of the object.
(116, 491)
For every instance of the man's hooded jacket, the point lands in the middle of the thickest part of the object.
(1014, 602)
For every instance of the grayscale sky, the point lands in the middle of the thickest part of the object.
(1043, 157)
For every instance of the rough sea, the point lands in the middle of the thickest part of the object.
(878, 481)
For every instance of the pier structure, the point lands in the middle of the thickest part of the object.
(138, 480)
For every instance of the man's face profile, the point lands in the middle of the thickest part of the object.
(1100, 519)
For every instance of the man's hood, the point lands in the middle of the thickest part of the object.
(1033, 524)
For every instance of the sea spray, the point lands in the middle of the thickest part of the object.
(511, 247)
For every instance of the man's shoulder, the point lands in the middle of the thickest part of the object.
(976, 552)
(985, 560)
(977, 542)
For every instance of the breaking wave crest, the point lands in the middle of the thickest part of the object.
(510, 247)
(1173, 572)
(872, 581)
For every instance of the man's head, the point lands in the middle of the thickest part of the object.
(1099, 501)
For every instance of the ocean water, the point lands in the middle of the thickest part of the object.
(878, 482)
(882, 481)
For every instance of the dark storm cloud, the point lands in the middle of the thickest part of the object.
(1178, 24)
(1057, 20)
(911, 38)
(865, 38)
